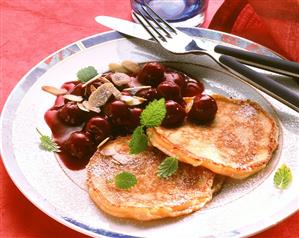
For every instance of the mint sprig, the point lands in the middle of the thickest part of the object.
(125, 180)
(283, 177)
(168, 167)
(86, 74)
(47, 143)
(151, 116)
(139, 141)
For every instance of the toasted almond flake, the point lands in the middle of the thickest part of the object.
(54, 91)
(92, 80)
(102, 94)
(73, 98)
(91, 108)
(189, 103)
(108, 151)
(103, 142)
(104, 80)
(132, 100)
(92, 88)
(122, 159)
(81, 107)
(113, 160)
(116, 93)
(134, 90)
(117, 68)
(120, 79)
(131, 66)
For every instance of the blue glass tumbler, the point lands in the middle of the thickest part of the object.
(187, 13)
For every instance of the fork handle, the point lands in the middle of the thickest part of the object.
(275, 89)
(270, 63)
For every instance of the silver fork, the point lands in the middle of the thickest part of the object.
(178, 42)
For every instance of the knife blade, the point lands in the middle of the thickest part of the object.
(124, 26)
(269, 63)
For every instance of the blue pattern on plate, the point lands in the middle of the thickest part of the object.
(98, 231)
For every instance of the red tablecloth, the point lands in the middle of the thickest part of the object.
(28, 25)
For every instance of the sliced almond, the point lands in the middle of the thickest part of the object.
(91, 108)
(54, 91)
(134, 90)
(132, 100)
(189, 103)
(73, 98)
(91, 80)
(116, 93)
(103, 142)
(117, 68)
(92, 88)
(131, 66)
(82, 107)
(101, 95)
(120, 79)
(104, 80)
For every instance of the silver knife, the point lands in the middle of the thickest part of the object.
(269, 63)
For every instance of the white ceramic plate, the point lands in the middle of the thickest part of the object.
(242, 208)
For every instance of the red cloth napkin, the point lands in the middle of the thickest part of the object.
(274, 24)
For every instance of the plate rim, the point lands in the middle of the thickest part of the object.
(73, 224)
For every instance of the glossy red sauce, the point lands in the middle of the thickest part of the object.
(79, 136)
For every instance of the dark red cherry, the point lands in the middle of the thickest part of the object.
(99, 128)
(149, 93)
(135, 117)
(59, 102)
(204, 109)
(193, 88)
(78, 90)
(70, 85)
(151, 74)
(79, 145)
(118, 112)
(71, 115)
(169, 90)
(176, 77)
(175, 114)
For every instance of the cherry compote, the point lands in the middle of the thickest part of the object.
(99, 128)
(168, 89)
(176, 77)
(203, 110)
(79, 145)
(175, 114)
(70, 114)
(149, 93)
(192, 88)
(120, 116)
(151, 74)
(79, 132)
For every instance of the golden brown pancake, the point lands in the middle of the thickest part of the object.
(188, 190)
(238, 143)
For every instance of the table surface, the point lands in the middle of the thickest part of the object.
(26, 24)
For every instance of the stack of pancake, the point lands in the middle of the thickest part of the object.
(238, 143)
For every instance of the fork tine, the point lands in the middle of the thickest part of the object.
(156, 22)
(161, 19)
(149, 26)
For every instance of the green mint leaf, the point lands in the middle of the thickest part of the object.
(47, 143)
(283, 177)
(86, 74)
(138, 141)
(125, 180)
(167, 167)
(154, 113)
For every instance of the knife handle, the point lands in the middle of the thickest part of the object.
(270, 63)
(275, 89)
